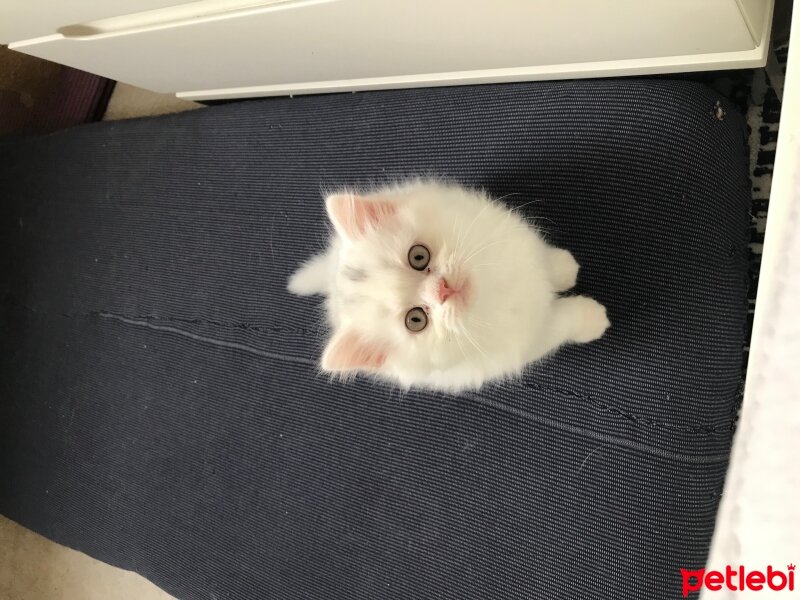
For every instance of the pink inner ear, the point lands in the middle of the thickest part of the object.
(349, 352)
(355, 215)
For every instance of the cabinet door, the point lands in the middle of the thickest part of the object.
(243, 47)
(25, 19)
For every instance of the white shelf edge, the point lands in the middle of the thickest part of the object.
(747, 59)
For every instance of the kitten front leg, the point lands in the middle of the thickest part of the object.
(313, 277)
(576, 319)
(563, 269)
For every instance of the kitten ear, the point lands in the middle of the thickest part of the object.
(348, 351)
(353, 216)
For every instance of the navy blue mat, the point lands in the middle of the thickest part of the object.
(161, 411)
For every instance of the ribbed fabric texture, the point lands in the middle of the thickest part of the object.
(161, 410)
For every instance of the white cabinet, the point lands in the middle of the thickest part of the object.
(234, 48)
(25, 19)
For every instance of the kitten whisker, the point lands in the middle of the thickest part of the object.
(481, 249)
(494, 243)
(534, 219)
(460, 347)
(472, 341)
(477, 216)
(507, 196)
(455, 235)
(516, 208)
(478, 321)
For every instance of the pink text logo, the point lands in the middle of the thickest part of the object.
(737, 579)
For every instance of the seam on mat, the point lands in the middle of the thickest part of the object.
(145, 321)
(198, 321)
(528, 416)
(599, 404)
(686, 458)
(202, 338)
(603, 405)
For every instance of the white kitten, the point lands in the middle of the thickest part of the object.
(437, 286)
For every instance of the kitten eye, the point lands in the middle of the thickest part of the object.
(419, 257)
(416, 319)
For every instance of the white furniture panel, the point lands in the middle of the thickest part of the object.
(234, 48)
(757, 521)
(24, 19)
(755, 16)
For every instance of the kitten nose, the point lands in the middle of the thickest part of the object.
(444, 291)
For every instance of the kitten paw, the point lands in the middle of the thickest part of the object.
(564, 269)
(310, 278)
(299, 284)
(592, 322)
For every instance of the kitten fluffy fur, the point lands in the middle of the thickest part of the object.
(486, 282)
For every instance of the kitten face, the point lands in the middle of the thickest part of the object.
(430, 278)
(403, 285)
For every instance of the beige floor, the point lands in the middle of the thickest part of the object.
(128, 101)
(32, 567)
